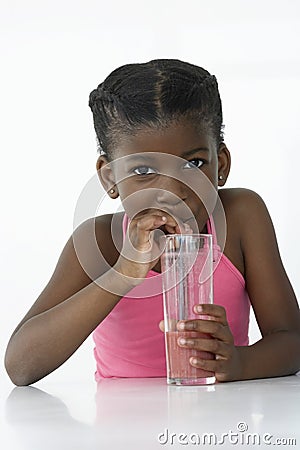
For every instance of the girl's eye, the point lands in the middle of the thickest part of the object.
(194, 163)
(144, 170)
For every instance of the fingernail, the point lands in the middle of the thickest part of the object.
(182, 341)
(181, 326)
(199, 308)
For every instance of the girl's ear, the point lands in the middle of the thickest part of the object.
(106, 176)
(224, 163)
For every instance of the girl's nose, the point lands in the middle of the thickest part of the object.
(171, 191)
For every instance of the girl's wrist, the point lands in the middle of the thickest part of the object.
(132, 273)
(116, 282)
(244, 353)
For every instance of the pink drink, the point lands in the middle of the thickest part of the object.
(180, 370)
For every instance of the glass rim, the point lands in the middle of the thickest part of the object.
(185, 235)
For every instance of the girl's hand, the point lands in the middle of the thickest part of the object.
(227, 364)
(141, 250)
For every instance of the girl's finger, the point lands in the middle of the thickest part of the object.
(214, 346)
(211, 365)
(173, 229)
(162, 325)
(214, 312)
(216, 329)
(172, 224)
(140, 231)
(148, 223)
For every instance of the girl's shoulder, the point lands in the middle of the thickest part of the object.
(240, 204)
(247, 224)
(245, 211)
(239, 197)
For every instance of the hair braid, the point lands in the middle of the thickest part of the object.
(150, 95)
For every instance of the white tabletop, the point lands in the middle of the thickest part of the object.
(148, 414)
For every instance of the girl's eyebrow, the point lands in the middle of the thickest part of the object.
(195, 150)
(150, 157)
(140, 157)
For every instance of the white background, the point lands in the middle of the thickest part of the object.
(53, 53)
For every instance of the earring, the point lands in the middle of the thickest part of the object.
(220, 177)
(112, 191)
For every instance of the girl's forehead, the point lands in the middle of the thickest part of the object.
(177, 139)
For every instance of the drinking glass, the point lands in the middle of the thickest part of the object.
(187, 276)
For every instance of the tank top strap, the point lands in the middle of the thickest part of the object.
(125, 224)
(211, 229)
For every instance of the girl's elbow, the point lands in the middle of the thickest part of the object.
(18, 373)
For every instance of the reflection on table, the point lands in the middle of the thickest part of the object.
(148, 414)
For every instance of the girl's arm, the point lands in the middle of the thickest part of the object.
(271, 294)
(74, 303)
(66, 312)
(272, 298)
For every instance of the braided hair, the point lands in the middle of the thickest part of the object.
(152, 94)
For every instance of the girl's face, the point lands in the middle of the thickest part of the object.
(174, 170)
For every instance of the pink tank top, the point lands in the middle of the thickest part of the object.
(129, 343)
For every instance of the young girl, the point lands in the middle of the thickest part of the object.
(159, 128)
